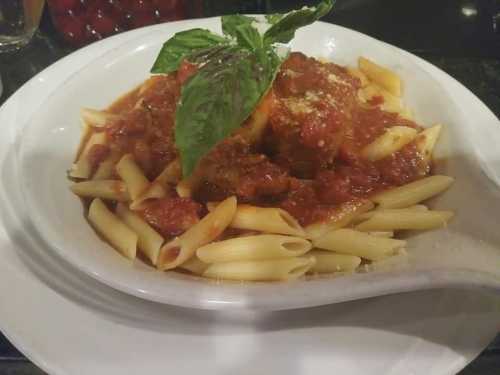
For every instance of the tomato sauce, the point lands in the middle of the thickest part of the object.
(172, 216)
(145, 127)
(307, 159)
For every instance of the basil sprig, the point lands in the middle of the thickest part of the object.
(183, 45)
(235, 71)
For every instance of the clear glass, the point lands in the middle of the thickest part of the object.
(19, 20)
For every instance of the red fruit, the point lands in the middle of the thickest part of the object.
(91, 35)
(98, 7)
(102, 24)
(141, 19)
(165, 6)
(72, 29)
(134, 6)
(62, 6)
(178, 14)
(117, 13)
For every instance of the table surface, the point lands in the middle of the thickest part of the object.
(462, 37)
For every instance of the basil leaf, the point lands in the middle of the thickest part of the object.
(241, 28)
(273, 18)
(283, 30)
(181, 46)
(230, 22)
(219, 98)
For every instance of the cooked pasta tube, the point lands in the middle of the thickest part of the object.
(391, 103)
(388, 143)
(171, 174)
(211, 205)
(182, 248)
(107, 189)
(87, 132)
(264, 270)
(346, 213)
(187, 186)
(96, 118)
(259, 247)
(106, 168)
(370, 214)
(130, 172)
(406, 113)
(194, 265)
(83, 167)
(384, 234)
(426, 140)
(413, 193)
(360, 75)
(388, 220)
(328, 262)
(119, 235)
(154, 191)
(269, 220)
(381, 76)
(149, 241)
(349, 241)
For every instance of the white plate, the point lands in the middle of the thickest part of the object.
(468, 250)
(67, 323)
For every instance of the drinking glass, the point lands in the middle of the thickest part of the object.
(19, 20)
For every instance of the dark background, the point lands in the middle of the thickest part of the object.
(462, 37)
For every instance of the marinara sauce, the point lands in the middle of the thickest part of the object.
(306, 159)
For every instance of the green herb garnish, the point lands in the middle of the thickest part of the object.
(235, 71)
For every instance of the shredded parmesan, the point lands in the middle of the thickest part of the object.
(333, 78)
(291, 73)
(298, 105)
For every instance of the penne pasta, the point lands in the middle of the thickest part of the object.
(132, 175)
(360, 75)
(349, 241)
(171, 174)
(264, 270)
(329, 262)
(346, 213)
(182, 248)
(413, 193)
(406, 113)
(391, 103)
(259, 247)
(83, 168)
(119, 235)
(388, 143)
(211, 206)
(389, 220)
(426, 140)
(186, 186)
(154, 191)
(194, 265)
(384, 234)
(370, 214)
(149, 241)
(268, 220)
(87, 132)
(106, 168)
(106, 189)
(381, 76)
(96, 118)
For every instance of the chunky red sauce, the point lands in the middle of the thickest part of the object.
(306, 159)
